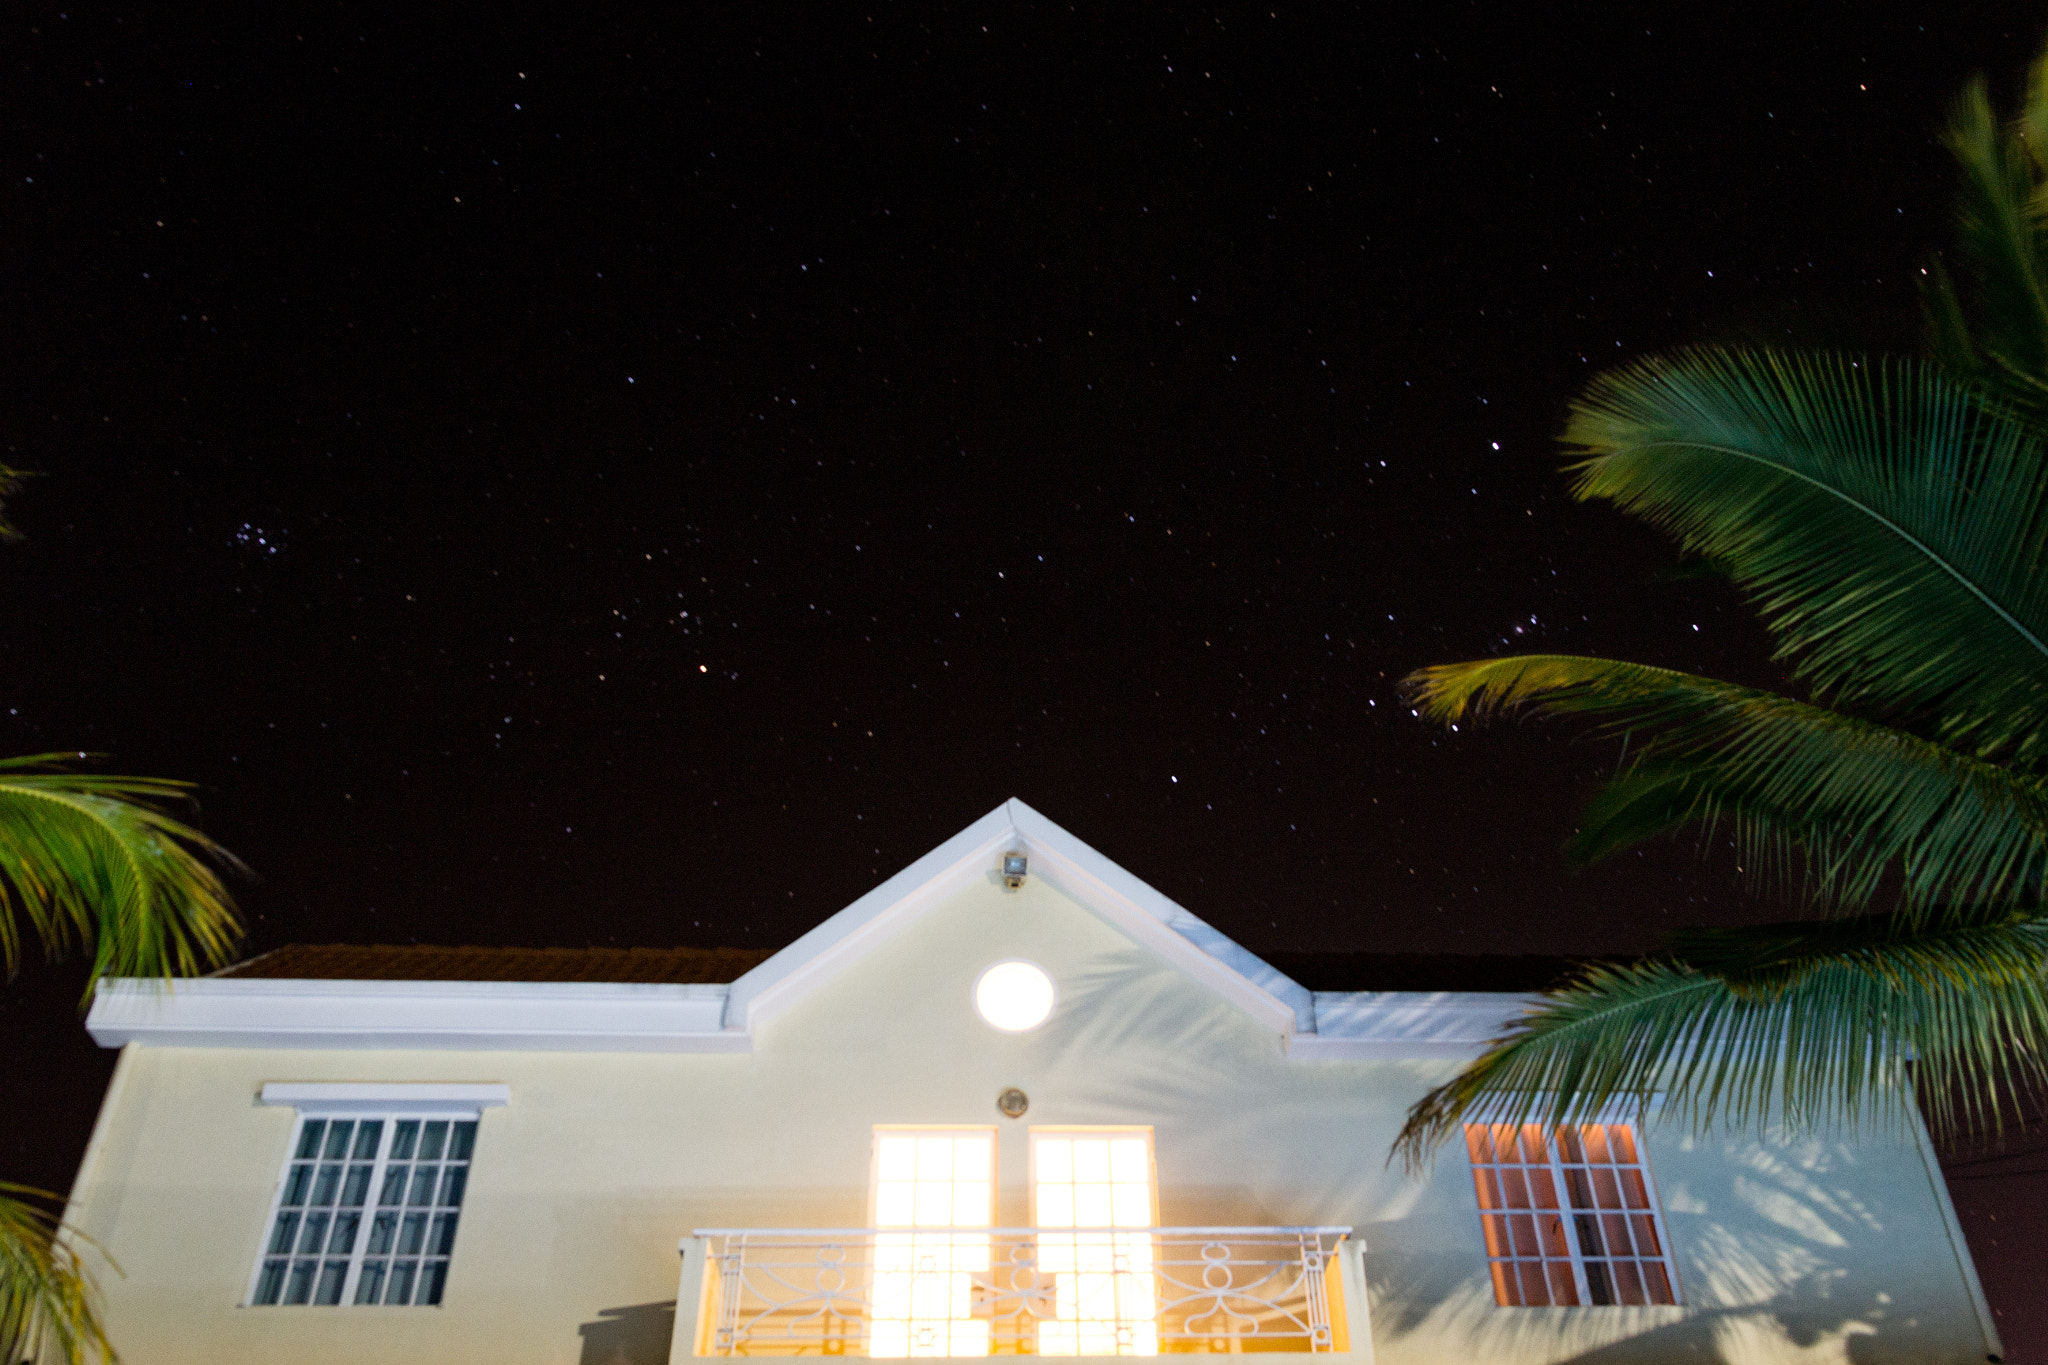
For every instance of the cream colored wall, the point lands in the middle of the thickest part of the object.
(583, 1185)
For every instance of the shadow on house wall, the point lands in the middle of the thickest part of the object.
(637, 1334)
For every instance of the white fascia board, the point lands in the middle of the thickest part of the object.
(1065, 862)
(1162, 925)
(787, 977)
(499, 1016)
(362, 1097)
(1407, 1025)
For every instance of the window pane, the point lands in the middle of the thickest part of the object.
(394, 1185)
(357, 1188)
(413, 1233)
(337, 1139)
(326, 1186)
(401, 1282)
(453, 1184)
(297, 1183)
(271, 1284)
(423, 1178)
(1506, 1287)
(281, 1236)
(299, 1288)
(1598, 1286)
(462, 1140)
(331, 1276)
(1596, 1142)
(433, 1138)
(371, 1282)
(432, 1279)
(404, 1136)
(309, 1138)
(1563, 1291)
(368, 1133)
(315, 1234)
(344, 1239)
(383, 1230)
(442, 1240)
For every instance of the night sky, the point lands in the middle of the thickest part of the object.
(619, 481)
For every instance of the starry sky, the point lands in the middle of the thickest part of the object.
(587, 479)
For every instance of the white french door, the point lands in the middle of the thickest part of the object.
(941, 1179)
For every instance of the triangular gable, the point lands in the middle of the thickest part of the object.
(1084, 875)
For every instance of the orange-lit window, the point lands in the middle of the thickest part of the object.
(939, 1183)
(1570, 1221)
(1098, 1182)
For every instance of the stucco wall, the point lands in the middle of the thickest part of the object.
(582, 1186)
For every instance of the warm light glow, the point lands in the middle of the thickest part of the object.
(1014, 996)
(924, 1281)
(1105, 1302)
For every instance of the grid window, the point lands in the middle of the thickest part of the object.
(1569, 1222)
(366, 1211)
(941, 1182)
(1104, 1299)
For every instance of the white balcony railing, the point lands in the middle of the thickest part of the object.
(886, 1292)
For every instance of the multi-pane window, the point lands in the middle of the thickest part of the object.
(1105, 1301)
(942, 1180)
(366, 1211)
(1570, 1221)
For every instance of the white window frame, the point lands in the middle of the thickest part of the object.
(917, 1262)
(1127, 1261)
(357, 1102)
(1634, 1123)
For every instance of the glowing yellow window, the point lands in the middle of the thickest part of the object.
(940, 1179)
(1098, 1182)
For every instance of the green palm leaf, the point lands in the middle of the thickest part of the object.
(1888, 524)
(1820, 1031)
(1998, 222)
(1840, 800)
(99, 861)
(49, 1302)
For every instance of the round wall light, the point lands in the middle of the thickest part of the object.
(1014, 996)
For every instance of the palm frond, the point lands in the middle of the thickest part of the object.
(1823, 1039)
(1888, 524)
(1854, 798)
(49, 1301)
(1998, 227)
(100, 861)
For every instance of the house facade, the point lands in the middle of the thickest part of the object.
(1013, 1101)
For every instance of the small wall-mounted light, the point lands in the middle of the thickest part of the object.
(1012, 1103)
(1014, 867)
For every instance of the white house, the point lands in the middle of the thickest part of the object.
(960, 1117)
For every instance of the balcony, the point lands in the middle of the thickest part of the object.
(887, 1293)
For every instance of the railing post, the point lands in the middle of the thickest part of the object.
(695, 1300)
(1350, 1258)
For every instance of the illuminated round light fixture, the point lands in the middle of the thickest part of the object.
(1014, 996)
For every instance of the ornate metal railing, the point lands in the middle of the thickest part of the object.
(886, 1292)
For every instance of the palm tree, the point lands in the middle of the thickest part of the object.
(99, 863)
(1888, 519)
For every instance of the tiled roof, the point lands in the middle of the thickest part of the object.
(384, 962)
(1427, 971)
(381, 962)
